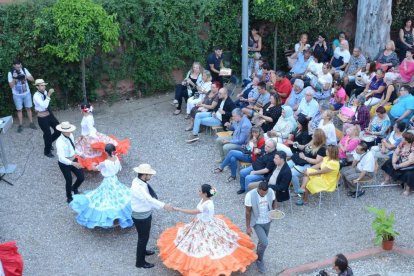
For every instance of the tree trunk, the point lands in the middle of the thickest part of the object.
(83, 69)
(373, 26)
(275, 48)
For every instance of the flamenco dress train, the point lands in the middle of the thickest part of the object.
(209, 245)
(109, 202)
(92, 144)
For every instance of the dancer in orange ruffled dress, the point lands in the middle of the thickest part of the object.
(209, 245)
(92, 143)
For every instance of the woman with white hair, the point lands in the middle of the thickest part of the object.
(387, 58)
(203, 87)
(296, 95)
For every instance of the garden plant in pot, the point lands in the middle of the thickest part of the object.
(383, 226)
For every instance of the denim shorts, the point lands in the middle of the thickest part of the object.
(22, 100)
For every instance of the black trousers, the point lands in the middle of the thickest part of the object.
(143, 227)
(67, 171)
(46, 123)
(352, 88)
(180, 93)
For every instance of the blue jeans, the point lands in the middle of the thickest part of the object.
(246, 178)
(232, 159)
(204, 118)
(296, 174)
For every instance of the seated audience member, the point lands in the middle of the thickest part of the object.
(307, 156)
(284, 126)
(220, 115)
(321, 49)
(362, 78)
(188, 86)
(361, 116)
(202, 89)
(262, 99)
(301, 46)
(411, 125)
(269, 114)
(267, 73)
(248, 153)
(322, 177)
(207, 105)
(337, 41)
(401, 166)
(299, 68)
(314, 123)
(258, 66)
(387, 58)
(388, 97)
(338, 95)
(324, 82)
(362, 169)
(248, 92)
(296, 95)
(391, 142)
(403, 108)
(405, 40)
(260, 169)
(340, 59)
(279, 180)
(326, 124)
(313, 71)
(299, 137)
(375, 89)
(241, 128)
(356, 63)
(377, 128)
(406, 70)
(308, 106)
(348, 143)
(282, 86)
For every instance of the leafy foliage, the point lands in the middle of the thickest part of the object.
(383, 225)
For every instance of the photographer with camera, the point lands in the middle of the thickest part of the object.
(18, 78)
(45, 117)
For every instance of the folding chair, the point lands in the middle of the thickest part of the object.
(336, 190)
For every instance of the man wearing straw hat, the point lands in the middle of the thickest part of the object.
(65, 147)
(143, 201)
(45, 117)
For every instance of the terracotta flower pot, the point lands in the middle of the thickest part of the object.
(387, 245)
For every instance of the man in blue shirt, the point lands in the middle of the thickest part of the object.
(302, 63)
(403, 107)
(214, 63)
(296, 95)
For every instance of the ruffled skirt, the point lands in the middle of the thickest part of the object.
(101, 207)
(202, 248)
(93, 148)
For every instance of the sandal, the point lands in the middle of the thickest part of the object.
(217, 170)
(231, 178)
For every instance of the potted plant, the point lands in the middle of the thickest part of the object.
(383, 226)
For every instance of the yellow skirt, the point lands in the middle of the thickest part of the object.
(320, 183)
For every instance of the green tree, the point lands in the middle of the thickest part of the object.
(79, 28)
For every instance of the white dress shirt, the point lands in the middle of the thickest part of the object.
(141, 200)
(65, 150)
(40, 104)
(87, 126)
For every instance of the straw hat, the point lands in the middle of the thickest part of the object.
(40, 82)
(65, 127)
(145, 169)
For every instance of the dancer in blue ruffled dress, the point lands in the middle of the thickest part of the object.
(109, 202)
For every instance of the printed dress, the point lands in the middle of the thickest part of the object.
(209, 245)
(92, 144)
(109, 202)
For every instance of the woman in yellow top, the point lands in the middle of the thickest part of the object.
(322, 176)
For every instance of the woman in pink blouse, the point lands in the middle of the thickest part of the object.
(348, 143)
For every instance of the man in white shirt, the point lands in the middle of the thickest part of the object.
(66, 151)
(258, 203)
(45, 117)
(308, 106)
(143, 201)
(362, 169)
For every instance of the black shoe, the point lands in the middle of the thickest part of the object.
(52, 148)
(350, 193)
(360, 193)
(75, 191)
(50, 155)
(146, 265)
(69, 200)
(149, 252)
(239, 192)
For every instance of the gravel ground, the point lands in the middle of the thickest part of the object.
(35, 214)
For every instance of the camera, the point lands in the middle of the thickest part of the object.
(18, 75)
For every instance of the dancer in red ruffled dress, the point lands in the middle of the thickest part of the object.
(92, 143)
(209, 245)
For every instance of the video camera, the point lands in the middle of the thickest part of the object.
(18, 75)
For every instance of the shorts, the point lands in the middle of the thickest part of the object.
(22, 100)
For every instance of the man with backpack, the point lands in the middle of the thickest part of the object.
(18, 78)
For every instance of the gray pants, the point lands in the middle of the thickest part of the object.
(225, 148)
(262, 232)
(349, 174)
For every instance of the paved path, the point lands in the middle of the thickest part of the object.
(34, 211)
